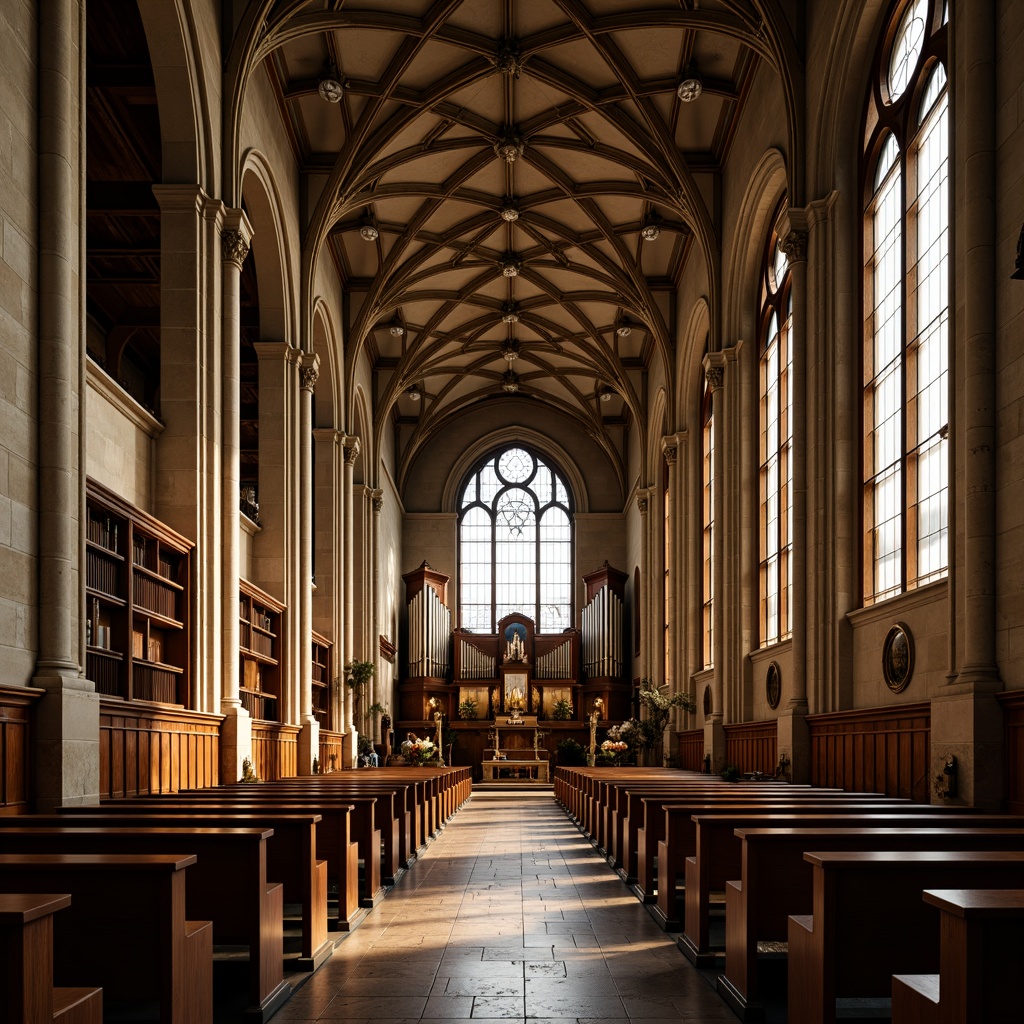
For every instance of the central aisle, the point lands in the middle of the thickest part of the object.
(508, 915)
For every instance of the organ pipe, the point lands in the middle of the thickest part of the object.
(602, 635)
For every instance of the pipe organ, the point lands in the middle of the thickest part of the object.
(474, 663)
(556, 664)
(602, 634)
(430, 627)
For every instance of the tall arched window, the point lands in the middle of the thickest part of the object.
(708, 522)
(515, 543)
(906, 308)
(776, 469)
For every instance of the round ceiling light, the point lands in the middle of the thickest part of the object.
(510, 381)
(509, 209)
(510, 350)
(331, 84)
(510, 265)
(414, 393)
(650, 230)
(691, 86)
(510, 312)
(396, 330)
(606, 395)
(368, 232)
(623, 328)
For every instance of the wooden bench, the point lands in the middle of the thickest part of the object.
(775, 880)
(870, 922)
(680, 842)
(28, 995)
(228, 884)
(291, 856)
(125, 928)
(981, 949)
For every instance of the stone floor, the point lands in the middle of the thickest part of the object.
(509, 915)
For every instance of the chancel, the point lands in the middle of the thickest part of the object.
(579, 388)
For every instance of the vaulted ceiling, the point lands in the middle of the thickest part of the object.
(513, 189)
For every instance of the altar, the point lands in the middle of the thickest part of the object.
(535, 771)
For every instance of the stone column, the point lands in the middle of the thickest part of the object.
(793, 735)
(351, 454)
(672, 448)
(309, 736)
(966, 722)
(377, 503)
(714, 733)
(643, 504)
(328, 560)
(66, 725)
(236, 730)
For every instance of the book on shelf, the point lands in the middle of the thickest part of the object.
(137, 644)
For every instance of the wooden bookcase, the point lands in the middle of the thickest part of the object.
(259, 641)
(322, 651)
(137, 602)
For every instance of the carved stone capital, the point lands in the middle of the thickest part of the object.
(377, 500)
(794, 245)
(643, 502)
(309, 377)
(351, 450)
(714, 374)
(669, 451)
(235, 246)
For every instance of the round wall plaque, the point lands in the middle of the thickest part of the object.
(773, 685)
(898, 657)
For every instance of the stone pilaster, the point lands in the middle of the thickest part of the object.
(66, 736)
(352, 448)
(714, 372)
(309, 736)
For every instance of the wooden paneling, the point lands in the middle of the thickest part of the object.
(691, 750)
(332, 744)
(752, 746)
(15, 752)
(878, 750)
(275, 750)
(1013, 737)
(151, 750)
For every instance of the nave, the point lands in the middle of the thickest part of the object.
(508, 915)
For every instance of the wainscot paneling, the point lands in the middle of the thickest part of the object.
(15, 776)
(752, 746)
(332, 751)
(877, 750)
(1013, 728)
(691, 750)
(275, 750)
(145, 749)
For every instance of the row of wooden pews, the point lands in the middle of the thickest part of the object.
(835, 879)
(249, 851)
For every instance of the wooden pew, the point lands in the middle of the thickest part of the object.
(343, 817)
(26, 951)
(680, 842)
(775, 880)
(981, 949)
(291, 855)
(870, 922)
(718, 851)
(228, 884)
(125, 928)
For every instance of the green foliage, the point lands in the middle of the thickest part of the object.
(377, 709)
(364, 746)
(467, 709)
(562, 711)
(570, 753)
(730, 773)
(359, 673)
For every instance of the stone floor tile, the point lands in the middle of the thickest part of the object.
(498, 1006)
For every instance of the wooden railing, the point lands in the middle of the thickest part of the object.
(155, 750)
(877, 750)
(752, 746)
(275, 750)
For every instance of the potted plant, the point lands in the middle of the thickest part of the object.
(357, 675)
(467, 709)
(562, 710)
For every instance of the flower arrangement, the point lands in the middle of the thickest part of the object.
(420, 752)
(614, 747)
(467, 708)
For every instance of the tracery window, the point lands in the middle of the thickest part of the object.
(906, 308)
(515, 543)
(776, 469)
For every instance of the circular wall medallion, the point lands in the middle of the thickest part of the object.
(898, 657)
(773, 685)
(707, 700)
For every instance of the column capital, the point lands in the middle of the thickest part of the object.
(643, 500)
(714, 370)
(236, 237)
(670, 445)
(794, 245)
(310, 371)
(377, 499)
(352, 446)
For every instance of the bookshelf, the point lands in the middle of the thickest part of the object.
(321, 656)
(259, 641)
(137, 602)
